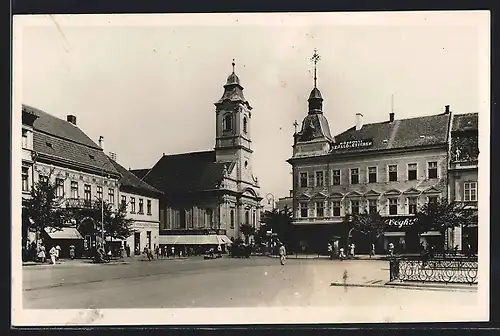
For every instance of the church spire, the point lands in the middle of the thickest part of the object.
(315, 58)
(315, 100)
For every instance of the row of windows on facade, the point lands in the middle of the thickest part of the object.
(356, 207)
(318, 179)
(228, 123)
(87, 192)
(470, 195)
(183, 223)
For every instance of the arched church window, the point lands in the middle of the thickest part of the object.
(247, 217)
(228, 122)
(245, 124)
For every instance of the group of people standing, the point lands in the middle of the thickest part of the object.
(39, 253)
(335, 251)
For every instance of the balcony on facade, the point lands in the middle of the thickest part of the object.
(81, 203)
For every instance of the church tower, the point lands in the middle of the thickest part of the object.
(314, 138)
(233, 130)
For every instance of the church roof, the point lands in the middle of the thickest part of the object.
(315, 94)
(186, 173)
(317, 125)
(128, 179)
(403, 133)
(60, 139)
(233, 79)
(465, 122)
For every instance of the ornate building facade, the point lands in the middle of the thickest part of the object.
(142, 203)
(210, 192)
(66, 155)
(390, 167)
(463, 173)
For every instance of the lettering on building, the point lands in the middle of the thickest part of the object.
(400, 222)
(352, 144)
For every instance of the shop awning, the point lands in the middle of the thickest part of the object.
(194, 240)
(394, 234)
(64, 233)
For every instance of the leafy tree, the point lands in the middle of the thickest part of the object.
(247, 230)
(116, 223)
(280, 222)
(371, 225)
(44, 207)
(443, 215)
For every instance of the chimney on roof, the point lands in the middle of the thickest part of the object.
(391, 117)
(71, 119)
(359, 121)
(447, 109)
(101, 140)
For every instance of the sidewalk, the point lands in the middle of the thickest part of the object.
(325, 257)
(89, 262)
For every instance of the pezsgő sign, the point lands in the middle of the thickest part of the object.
(353, 144)
(400, 222)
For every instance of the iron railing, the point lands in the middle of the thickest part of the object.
(455, 269)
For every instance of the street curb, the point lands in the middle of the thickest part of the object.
(406, 286)
(328, 258)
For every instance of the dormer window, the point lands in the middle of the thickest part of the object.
(92, 157)
(228, 122)
(48, 144)
(245, 124)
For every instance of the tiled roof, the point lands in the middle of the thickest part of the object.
(130, 180)
(140, 173)
(187, 172)
(60, 139)
(404, 133)
(465, 122)
(58, 127)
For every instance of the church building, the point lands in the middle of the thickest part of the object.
(210, 194)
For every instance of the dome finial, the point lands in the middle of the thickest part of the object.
(233, 65)
(315, 58)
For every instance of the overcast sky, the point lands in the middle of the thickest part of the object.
(148, 83)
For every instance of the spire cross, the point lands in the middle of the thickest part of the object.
(295, 124)
(233, 65)
(315, 58)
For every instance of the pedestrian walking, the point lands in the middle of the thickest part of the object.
(41, 254)
(165, 251)
(127, 250)
(352, 250)
(372, 250)
(219, 251)
(58, 251)
(157, 251)
(341, 253)
(173, 251)
(391, 249)
(330, 250)
(53, 255)
(282, 253)
(72, 252)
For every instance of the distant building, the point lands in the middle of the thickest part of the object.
(64, 152)
(142, 202)
(463, 173)
(28, 118)
(210, 192)
(390, 167)
(285, 202)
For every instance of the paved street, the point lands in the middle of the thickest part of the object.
(256, 282)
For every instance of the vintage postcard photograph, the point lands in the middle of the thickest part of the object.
(250, 168)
